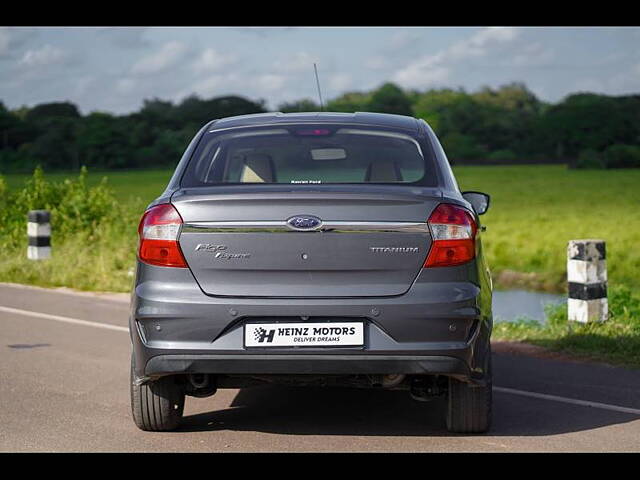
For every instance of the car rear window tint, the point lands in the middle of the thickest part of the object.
(309, 154)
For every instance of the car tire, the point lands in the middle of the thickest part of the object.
(157, 406)
(469, 407)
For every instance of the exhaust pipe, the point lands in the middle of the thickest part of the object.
(392, 380)
(199, 380)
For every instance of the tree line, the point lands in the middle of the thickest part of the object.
(499, 125)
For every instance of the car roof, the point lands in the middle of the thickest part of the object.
(360, 118)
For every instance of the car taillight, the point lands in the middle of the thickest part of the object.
(454, 232)
(158, 230)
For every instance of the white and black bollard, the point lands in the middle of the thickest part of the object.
(39, 232)
(587, 277)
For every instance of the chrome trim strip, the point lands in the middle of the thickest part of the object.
(282, 227)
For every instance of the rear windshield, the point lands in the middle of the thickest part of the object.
(309, 154)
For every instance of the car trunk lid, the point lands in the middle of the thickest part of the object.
(322, 241)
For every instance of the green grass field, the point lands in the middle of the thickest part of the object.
(134, 187)
(535, 210)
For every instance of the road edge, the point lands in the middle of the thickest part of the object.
(510, 347)
(115, 296)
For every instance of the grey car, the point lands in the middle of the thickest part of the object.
(312, 249)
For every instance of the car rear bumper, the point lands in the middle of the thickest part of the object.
(325, 364)
(438, 327)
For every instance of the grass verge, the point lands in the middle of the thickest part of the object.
(616, 341)
(93, 240)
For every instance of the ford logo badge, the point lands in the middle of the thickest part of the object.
(304, 222)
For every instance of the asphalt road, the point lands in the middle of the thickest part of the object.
(64, 372)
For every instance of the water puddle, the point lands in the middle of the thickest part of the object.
(509, 305)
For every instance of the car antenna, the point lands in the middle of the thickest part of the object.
(318, 84)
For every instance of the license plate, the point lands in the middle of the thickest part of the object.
(327, 334)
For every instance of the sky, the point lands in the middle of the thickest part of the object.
(114, 69)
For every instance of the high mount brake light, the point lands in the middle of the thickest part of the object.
(454, 231)
(314, 132)
(158, 231)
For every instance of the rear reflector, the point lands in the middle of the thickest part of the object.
(454, 230)
(158, 230)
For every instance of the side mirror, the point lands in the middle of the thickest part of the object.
(478, 200)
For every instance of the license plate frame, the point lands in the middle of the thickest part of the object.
(304, 334)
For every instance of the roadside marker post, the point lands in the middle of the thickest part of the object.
(587, 279)
(39, 233)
